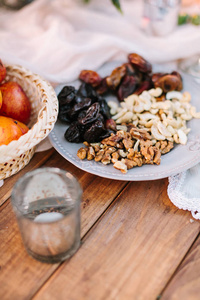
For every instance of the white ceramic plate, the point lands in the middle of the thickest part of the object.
(179, 159)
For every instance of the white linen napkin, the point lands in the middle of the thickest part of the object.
(184, 190)
(59, 38)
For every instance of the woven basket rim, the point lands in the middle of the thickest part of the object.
(48, 112)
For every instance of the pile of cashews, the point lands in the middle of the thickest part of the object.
(164, 120)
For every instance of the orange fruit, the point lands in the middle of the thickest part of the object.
(10, 130)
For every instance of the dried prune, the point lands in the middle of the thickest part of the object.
(64, 113)
(127, 87)
(74, 133)
(115, 77)
(87, 91)
(81, 114)
(91, 114)
(67, 95)
(104, 108)
(94, 132)
(106, 134)
(84, 104)
(140, 63)
(90, 77)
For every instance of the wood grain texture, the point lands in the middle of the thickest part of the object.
(20, 275)
(130, 253)
(98, 192)
(186, 281)
(37, 160)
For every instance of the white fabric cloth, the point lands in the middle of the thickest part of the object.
(184, 190)
(58, 38)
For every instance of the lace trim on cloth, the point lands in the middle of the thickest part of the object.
(182, 194)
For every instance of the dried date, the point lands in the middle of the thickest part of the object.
(140, 63)
(116, 76)
(91, 77)
(127, 87)
(169, 82)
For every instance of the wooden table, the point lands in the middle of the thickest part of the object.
(135, 244)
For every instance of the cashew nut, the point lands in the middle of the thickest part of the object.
(174, 95)
(156, 134)
(156, 92)
(182, 137)
(163, 130)
(194, 113)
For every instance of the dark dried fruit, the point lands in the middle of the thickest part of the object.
(64, 114)
(67, 95)
(93, 134)
(103, 87)
(140, 63)
(91, 114)
(84, 104)
(74, 133)
(87, 91)
(127, 87)
(116, 76)
(104, 108)
(132, 71)
(145, 85)
(90, 77)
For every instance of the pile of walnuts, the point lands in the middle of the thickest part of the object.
(126, 149)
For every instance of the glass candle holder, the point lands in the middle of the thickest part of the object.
(160, 17)
(46, 202)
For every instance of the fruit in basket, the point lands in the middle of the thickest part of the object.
(15, 102)
(0, 100)
(10, 130)
(2, 71)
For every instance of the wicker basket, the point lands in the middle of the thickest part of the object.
(44, 110)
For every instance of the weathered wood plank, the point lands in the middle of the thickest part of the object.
(130, 253)
(186, 281)
(21, 276)
(37, 160)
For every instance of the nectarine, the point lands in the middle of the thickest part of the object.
(15, 103)
(10, 130)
